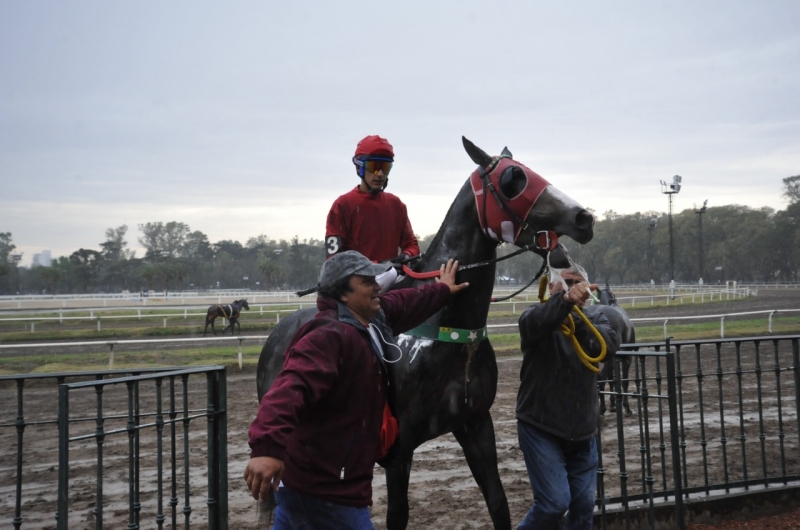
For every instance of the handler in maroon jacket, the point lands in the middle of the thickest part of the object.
(368, 219)
(318, 429)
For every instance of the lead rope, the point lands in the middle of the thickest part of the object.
(567, 328)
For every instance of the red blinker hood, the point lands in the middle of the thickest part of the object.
(495, 221)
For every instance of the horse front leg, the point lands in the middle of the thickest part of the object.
(477, 440)
(397, 477)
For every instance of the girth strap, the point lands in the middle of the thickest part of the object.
(455, 335)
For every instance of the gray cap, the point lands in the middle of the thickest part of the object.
(341, 265)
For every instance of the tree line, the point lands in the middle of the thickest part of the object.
(716, 244)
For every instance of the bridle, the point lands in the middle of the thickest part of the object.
(495, 217)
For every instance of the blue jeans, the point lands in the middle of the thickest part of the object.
(308, 512)
(563, 477)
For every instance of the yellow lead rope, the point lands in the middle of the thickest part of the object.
(568, 330)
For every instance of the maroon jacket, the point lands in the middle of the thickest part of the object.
(322, 415)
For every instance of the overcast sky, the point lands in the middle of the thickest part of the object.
(240, 118)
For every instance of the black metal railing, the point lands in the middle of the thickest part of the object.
(722, 409)
(117, 431)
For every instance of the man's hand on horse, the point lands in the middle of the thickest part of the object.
(261, 474)
(447, 276)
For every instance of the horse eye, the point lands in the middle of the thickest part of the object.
(512, 181)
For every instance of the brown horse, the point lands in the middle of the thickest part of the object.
(231, 312)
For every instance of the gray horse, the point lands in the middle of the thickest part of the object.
(621, 323)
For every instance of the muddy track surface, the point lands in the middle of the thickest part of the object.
(443, 494)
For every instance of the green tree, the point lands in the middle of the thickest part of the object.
(197, 247)
(114, 247)
(791, 189)
(85, 270)
(6, 250)
(163, 239)
(271, 271)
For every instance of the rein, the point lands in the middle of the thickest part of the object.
(536, 277)
(467, 336)
(567, 329)
(435, 274)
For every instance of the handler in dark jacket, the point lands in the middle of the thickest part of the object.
(318, 429)
(557, 406)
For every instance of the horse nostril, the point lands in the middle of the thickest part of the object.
(584, 220)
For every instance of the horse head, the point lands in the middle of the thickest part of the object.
(516, 205)
(244, 304)
(606, 296)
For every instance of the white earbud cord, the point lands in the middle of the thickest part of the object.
(384, 341)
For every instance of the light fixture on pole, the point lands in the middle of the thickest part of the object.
(670, 190)
(700, 213)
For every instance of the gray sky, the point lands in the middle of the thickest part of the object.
(240, 118)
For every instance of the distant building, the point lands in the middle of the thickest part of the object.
(42, 259)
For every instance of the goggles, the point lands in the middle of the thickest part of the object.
(373, 165)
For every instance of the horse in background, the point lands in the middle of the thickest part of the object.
(621, 323)
(446, 381)
(231, 312)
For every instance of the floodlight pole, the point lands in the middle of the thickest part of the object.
(670, 190)
(700, 213)
(651, 225)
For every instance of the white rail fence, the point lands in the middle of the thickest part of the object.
(242, 338)
(665, 320)
(111, 344)
(197, 298)
(523, 300)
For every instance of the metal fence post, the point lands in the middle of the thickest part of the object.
(63, 458)
(796, 363)
(672, 395)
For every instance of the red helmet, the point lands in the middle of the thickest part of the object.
(374, 145)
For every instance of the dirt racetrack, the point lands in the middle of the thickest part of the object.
(443, 494)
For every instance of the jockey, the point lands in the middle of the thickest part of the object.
(368, 219)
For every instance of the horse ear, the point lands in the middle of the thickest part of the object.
(476, 153)
(507, 153)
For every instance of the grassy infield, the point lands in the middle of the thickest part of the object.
(505, 343)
